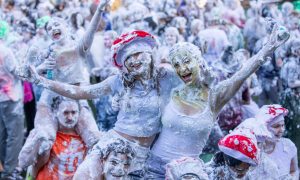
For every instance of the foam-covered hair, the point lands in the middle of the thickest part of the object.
(118, 146)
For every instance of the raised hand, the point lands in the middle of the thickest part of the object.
(278, 34)
(103, 4)
(28, 73)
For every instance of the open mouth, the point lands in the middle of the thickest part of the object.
(69, 121)
(117, 175)
(56, 34)
(187, 77)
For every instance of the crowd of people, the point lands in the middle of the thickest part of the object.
(140, 89)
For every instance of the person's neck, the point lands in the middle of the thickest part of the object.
(144, 79)
(196, 85)
(269, 147)
(62, 42)
(67, 130)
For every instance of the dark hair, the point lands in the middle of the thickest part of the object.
(220, 159)
(231, 161)
(73, 19)
(118, 146)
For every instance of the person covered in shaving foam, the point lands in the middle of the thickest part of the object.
(115, 158)
(171, 37)
(144, 93)
(290, 96)
(140, 90)
(266, 168)
(238, 154)
(186, 168)
(68, 149)
(282, 150)
(63, 61)
(193, 107)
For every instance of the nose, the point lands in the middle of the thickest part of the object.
(183, 68)
(281, 130)
(69, 115)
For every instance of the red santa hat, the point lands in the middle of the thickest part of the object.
(271, 113)
(131, 43)
(240, 144)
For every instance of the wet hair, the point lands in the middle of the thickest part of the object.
(73, 19)
(221, 159)
(56, 18)
(118, 146)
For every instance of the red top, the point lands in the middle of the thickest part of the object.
(67, 152)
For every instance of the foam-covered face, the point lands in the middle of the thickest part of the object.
(139, 64)
(296, 50)
(189, 176)
(277, 129)
(67, 114)
(170, 38)
(116, 166)
(240, 170)
(187, 68)
(108, 41)
(57, 30)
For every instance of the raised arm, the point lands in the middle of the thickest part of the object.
(225, 90)
(88, 37)
(71, 91)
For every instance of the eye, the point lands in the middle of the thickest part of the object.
(56, 24)
(49, 28)
(126, 165)
(176, 65)
(187, 61)
(114, 163)
(73, 112)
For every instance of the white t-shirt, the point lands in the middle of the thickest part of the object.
(285, 150)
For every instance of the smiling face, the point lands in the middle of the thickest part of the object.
(108, 40)
(67, 114)
(171, 36)
(56, 29)
(184, 58)
(139, 64)
(240, 170)
(116, 166)
(187, 69)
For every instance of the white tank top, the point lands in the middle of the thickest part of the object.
(182, 135)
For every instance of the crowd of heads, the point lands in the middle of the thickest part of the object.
(204, 42)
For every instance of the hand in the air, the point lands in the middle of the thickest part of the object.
(29, 74)
(103, 4)
(278, 36)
